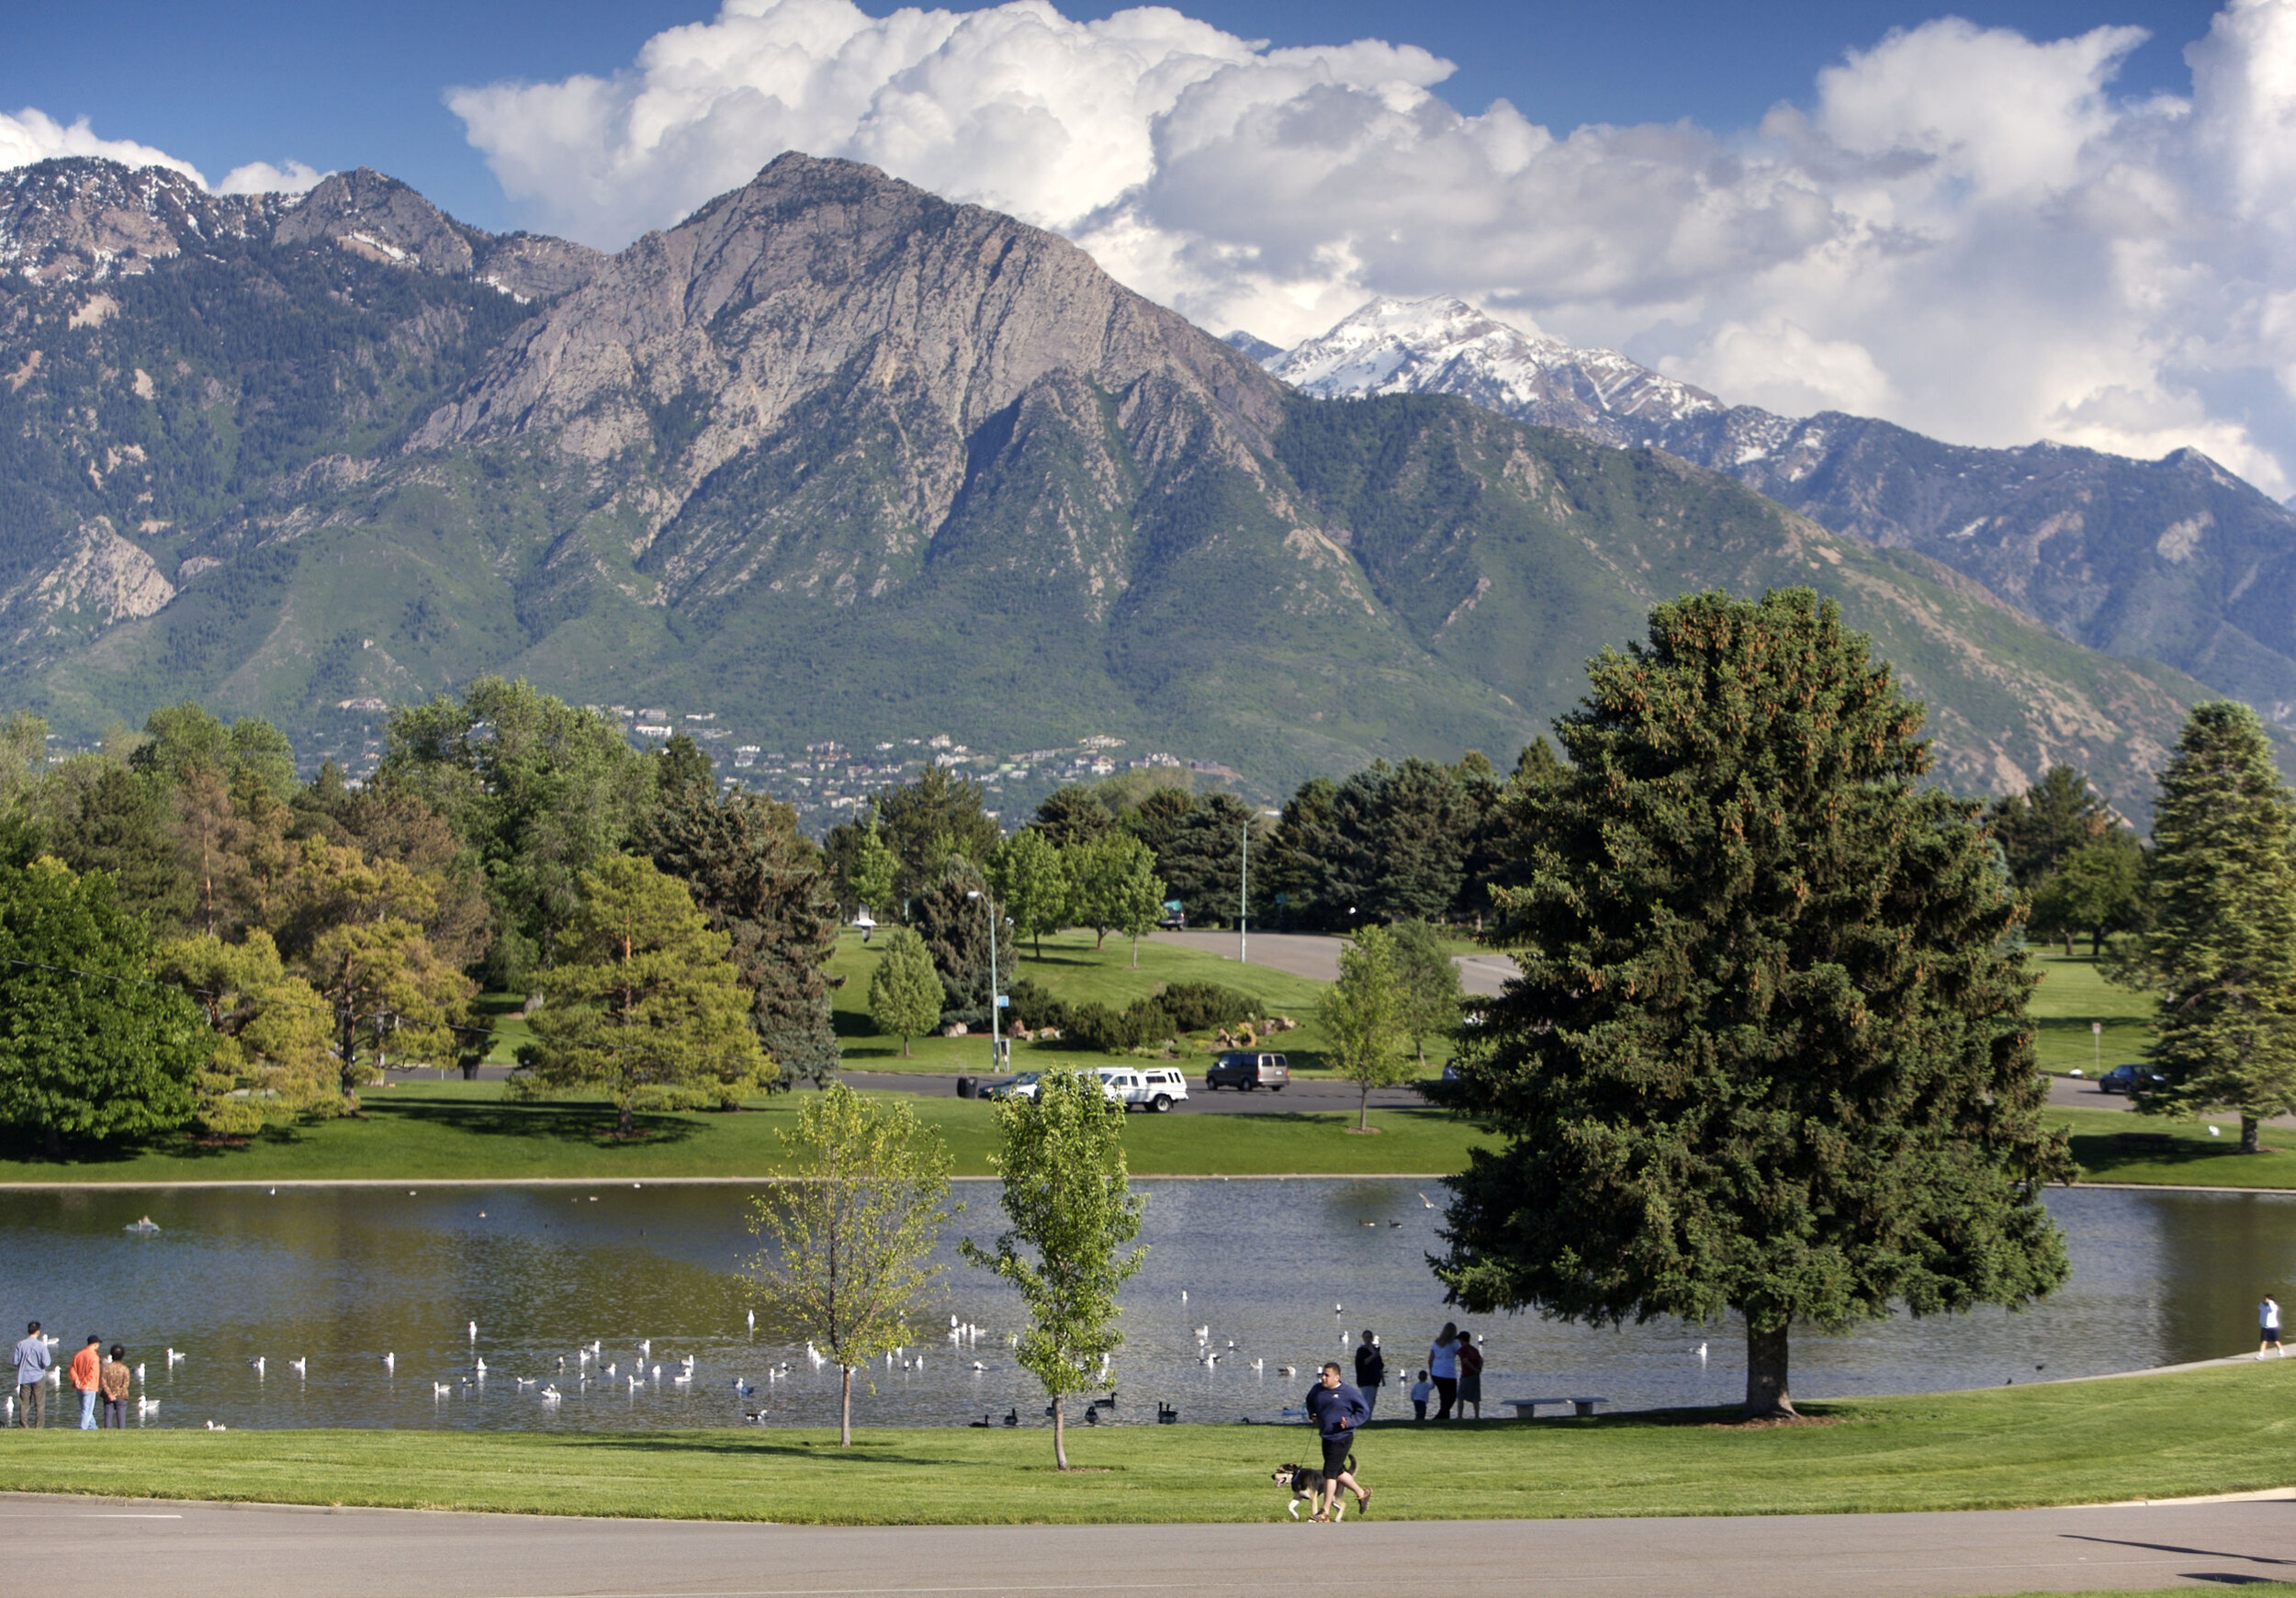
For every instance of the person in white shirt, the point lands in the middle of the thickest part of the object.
(2269, 1321)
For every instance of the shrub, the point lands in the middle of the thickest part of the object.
(1035, 1009)
(1198, 1007)
(1140, 1024)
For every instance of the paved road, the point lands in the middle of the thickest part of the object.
(1301, 1097)
(94, 1548)
(1317, 955)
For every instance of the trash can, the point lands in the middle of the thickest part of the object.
(966, 1085)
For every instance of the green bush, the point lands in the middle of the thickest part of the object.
(1198, 1007)
(1141, 1025)
(1035, 1009)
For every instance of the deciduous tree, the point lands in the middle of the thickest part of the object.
(643, 1002)
(1363, 1014)
(1769, 1049)
(850, 1224)
(904, 994)
(1426, 983)
(2219, 947)
(358, 938)
(272, 1062)
(1071, 1211)
(1032, 883)
(90, 1047)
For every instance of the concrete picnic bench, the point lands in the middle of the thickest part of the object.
(1526, 1409)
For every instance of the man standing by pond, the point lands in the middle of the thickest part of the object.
(31, 1369)
(1371, 1371)
(87, 1377)
(1337, 1411)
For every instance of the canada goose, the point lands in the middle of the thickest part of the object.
(982, 1422)
(1012, 1417)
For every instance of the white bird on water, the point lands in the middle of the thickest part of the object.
(174, 1358)
(139, 1375)
(524, 1380)
(1427, 1201)
(255, 1364)
(474, 1331)
(440, 1390)
(480, 1365)
(297, 1366)
(613, 1370)
(645, 1346)
(1701, 1353)
(753, 1320)
(390, 1364)
(550, 1395)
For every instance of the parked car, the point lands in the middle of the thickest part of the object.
(1166, 1087)
(1020, 1086)
(1122, 1083)
(1244, 1071)
(2128, 1078)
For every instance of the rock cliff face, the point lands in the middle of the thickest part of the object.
(2176, 560)
(837, 459)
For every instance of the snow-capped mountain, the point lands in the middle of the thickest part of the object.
(2176, 560)
(1447, 346)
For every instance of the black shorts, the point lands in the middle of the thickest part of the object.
(1336, 1452)
(2272, 1334)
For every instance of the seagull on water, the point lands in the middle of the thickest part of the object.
(550, 1395)
(296, 1365)
(255, 1364)
(474, 1331)
(440, 1390)
(390, 1364)
(174, 1358)
(1427, 1201)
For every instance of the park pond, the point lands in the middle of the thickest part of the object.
(1286, 1271)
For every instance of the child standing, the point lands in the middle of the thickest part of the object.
(1421, 1392)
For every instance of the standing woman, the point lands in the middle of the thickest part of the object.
(1443, 1368)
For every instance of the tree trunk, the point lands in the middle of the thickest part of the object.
(628, 1123)
(1766, 1394)
(2069, 943)
(1135, 951)
(845, 1408)
(905, 1046)
(2248, 1134)
(1363, 1106)
(55, 1144)
(1059, 1435)
(350, 1049)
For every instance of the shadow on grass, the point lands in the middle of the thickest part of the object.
(2099, 1155)
(752, 1444)
(589, 1125)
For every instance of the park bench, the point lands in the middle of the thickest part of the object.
(2155, 1141)
(1526, 1409)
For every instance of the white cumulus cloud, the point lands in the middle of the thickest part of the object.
(1964, 229)
(33, 135)
(262, 177)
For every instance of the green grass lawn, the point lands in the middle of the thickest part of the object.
(1076, 973)
(468, 1129)
(2193, 1159)
(2220, 1430)
(2073, 996)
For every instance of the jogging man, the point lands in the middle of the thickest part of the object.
(1337, 1411)
(2269, 1327)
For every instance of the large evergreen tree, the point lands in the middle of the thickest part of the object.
(2220, 944)
(2039, 826)
(1768, 1051)
(761, 882)
(952, 917)
(927, 821)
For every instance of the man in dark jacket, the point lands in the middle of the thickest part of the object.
(1337, 1410)
(1371, 1371)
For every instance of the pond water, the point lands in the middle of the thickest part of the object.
(340, 1277)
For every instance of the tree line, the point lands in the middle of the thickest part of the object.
(191, 934)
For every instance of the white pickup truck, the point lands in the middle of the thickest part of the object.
(1157, 1089)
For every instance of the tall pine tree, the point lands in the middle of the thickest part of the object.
(1768, 1051)
(2219, 948)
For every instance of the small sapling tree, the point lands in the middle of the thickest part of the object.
(904, 990)
(849, 1227)
(1072, 1210)
(1363, 1015)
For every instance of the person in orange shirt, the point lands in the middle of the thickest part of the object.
(87, 1376)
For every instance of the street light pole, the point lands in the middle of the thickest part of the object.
(1244, 902)
(996, 1046)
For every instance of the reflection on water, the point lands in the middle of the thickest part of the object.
(1287, 1272)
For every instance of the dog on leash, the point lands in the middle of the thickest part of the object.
(1306, 1482)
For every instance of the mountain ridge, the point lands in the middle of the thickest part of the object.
(838, 459)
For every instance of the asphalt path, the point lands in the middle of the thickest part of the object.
(1317, 955)
(95, 1548)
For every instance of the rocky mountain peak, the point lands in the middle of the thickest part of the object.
(82, 220)
(383, 219)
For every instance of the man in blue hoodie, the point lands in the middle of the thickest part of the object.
(31, 1369)
(1337, 1410)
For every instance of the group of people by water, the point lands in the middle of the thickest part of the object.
(97, 1378)
(1451, 1380)
(1338, 1408)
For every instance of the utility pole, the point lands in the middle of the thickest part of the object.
(995, 1044)
(1244, 902)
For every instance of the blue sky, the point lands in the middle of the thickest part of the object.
(361, 83)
